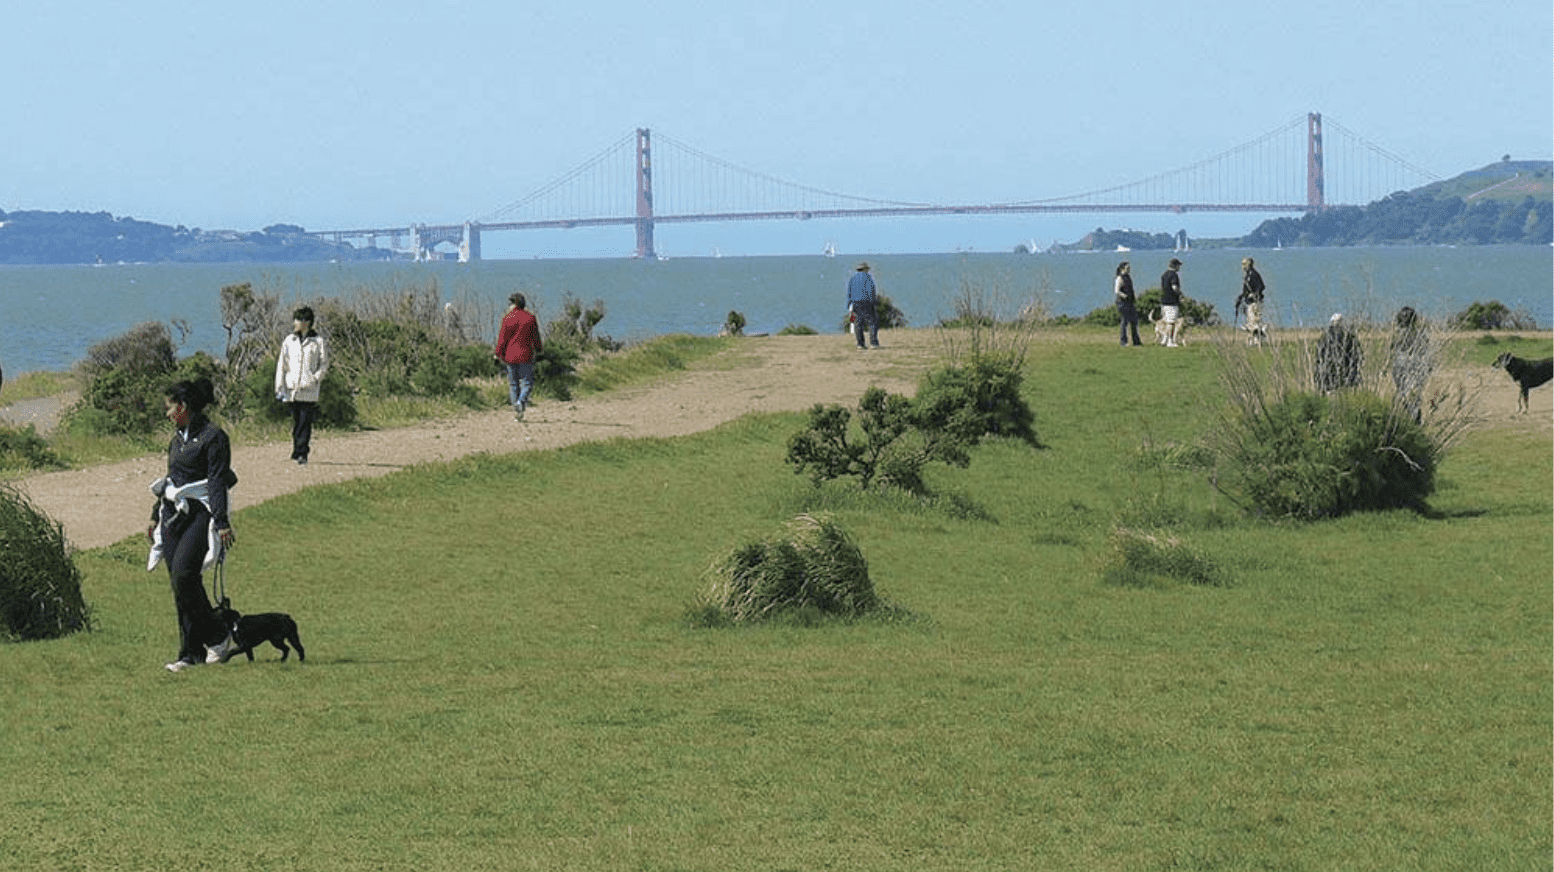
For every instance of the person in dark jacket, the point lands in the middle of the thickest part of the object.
(1122, 294)
(189, 528)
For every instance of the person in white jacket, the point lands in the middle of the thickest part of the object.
(299, 374)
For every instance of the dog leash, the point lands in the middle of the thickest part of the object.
(219, 577)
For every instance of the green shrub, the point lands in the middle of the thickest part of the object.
(891, 449)
(955, 408)
(126, 377)
(815, 566)
(40, 586)
(1313, 456)
(734, 324)
(1493, 315)
(885, 310)
(336, 401)
(987, 387)
(23, 448)
(1138, 559)
(1194, 313)
(799, 330)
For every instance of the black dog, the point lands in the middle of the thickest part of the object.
(1528, 374)
(251, 631)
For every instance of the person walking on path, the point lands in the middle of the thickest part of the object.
(861, 296)
(1251, 299)
(299, 378)
(189, 525)
(1122, 292)
(517, 346)
(1171, 301)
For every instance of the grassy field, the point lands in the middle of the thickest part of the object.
(501, 675)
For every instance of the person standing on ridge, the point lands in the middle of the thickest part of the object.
(861, 296)
(518, 345)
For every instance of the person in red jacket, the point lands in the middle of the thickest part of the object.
(517, 346)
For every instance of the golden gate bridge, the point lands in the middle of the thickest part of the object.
(1290, 169)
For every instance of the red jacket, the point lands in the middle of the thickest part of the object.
(519, 339)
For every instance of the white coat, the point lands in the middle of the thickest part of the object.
(300, 370)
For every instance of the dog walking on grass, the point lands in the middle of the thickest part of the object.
(1529, 374)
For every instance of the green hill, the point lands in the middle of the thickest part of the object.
(1510, 202)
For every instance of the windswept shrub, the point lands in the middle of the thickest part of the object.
(815, 565)
(40, 586)
(890, 447)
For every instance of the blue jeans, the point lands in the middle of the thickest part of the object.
(864, 314)
(520, 381)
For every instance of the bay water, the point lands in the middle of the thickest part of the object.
(50, 315)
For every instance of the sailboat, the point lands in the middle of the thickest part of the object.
(829, 250)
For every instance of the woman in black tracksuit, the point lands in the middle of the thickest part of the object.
(189, 525)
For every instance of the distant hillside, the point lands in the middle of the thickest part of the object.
(1508, 202)
(98, 237)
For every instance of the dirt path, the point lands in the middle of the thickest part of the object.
(103, 504)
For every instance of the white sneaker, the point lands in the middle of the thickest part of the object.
(179, 665)
(218, 653)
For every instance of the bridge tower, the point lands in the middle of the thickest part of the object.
(644, 194)
(1314, 181)
(469, 246)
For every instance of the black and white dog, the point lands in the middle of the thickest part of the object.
(251, 631)
(1528, 374)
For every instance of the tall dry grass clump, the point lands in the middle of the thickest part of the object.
(1305, 436)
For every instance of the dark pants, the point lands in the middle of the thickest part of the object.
(302, 415)
(1130, 319)
(183, 547)
(863, 313)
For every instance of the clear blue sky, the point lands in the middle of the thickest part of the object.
(348, 113)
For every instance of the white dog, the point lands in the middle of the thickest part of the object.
(1163, 330)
